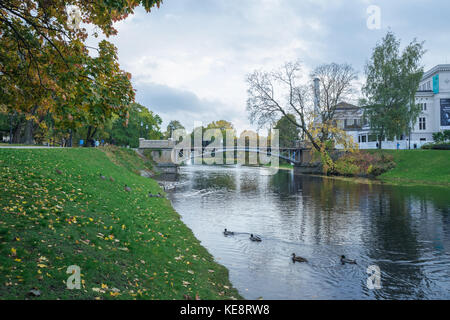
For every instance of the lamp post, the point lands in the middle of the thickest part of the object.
(146, 130)
(142, 124)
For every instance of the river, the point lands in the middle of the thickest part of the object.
(404, 231)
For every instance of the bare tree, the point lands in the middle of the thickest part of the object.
(336, 85)
(278, 93)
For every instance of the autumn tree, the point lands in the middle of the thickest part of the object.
(282, 92)
(45, 66)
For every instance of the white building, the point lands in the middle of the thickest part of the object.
(433, 96)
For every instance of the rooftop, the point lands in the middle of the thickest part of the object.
(436, 69)
(344, 105)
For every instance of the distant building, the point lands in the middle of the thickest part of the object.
(433, 96)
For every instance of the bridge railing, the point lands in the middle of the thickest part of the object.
(156, 144)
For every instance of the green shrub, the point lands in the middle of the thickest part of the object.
(436, 146)
(346, 168)
(441, 137)
(364, 164)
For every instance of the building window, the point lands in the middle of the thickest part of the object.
(422, 124)
(424, 107)
(423, 139)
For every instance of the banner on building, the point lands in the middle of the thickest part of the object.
(445, 112)
(436, 84)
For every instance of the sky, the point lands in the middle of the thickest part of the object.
(189, 59)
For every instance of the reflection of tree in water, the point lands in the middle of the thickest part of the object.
(332, 207)
(398, 230)
(392, 222)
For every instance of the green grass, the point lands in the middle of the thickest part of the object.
(419, 167)
(120, 240)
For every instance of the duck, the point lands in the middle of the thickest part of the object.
(344, 260)
(228, 233)
(127, 188)
(255, 238)
(298, 258)
(111, 179)
(58, 171)
(102, 177)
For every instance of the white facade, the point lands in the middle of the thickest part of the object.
(433, 96)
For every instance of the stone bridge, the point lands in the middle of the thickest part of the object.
(161, 152)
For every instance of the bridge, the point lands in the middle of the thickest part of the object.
(292, 155)
(161, 152)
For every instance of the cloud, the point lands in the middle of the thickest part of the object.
(189, 58)
(183, 105)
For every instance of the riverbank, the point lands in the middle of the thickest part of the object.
(57, 212)
(412, 167)
(418, 167)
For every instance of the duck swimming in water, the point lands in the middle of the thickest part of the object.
(344, 260)
(255, 238)
(298, 259)
(228, 233)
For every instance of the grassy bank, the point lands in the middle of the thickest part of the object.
(128, 246)
(418, 167)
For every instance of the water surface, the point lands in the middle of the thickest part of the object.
(403, 230)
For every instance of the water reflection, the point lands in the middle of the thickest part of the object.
(403, 230)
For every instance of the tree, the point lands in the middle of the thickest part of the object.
(288, 131)
(223, 126)
(45, 66)
(171, 127)
(390, 88)
(279, 93)
(128, 134)
(336, 85)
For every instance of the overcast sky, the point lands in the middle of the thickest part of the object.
(189, 58)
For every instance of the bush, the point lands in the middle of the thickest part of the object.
(346, 168)
(364, 164)
(441, 137)
(436, 146)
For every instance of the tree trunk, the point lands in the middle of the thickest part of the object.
(90, 134)
(380, 139)
(17, 133)
(29, 129)
(70, 139)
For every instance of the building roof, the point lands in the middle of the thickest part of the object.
(344, 105)
(436, 69)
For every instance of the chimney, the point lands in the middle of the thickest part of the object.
(316, 95)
